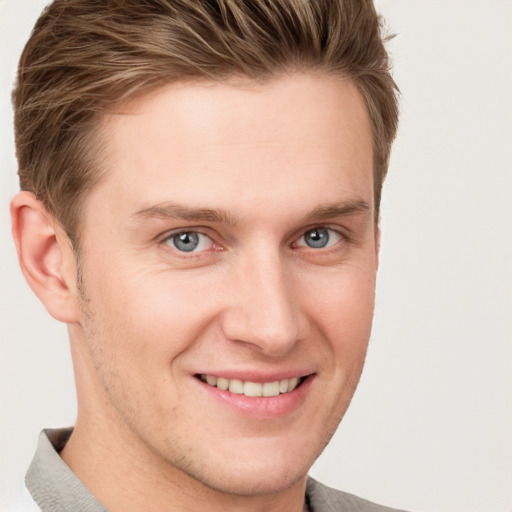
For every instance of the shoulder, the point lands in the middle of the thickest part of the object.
(325, 499)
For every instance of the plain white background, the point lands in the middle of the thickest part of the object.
(430, 428)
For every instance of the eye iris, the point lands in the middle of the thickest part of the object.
(317, 238)
(186, 242)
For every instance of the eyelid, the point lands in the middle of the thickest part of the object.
(178, 231)
(163, 239)
(342, 233)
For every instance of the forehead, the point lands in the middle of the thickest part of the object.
(238, 143)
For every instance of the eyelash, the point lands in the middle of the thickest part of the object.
(167, 240)
(338, 235)
(342, 237)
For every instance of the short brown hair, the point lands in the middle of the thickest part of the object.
(84, 56)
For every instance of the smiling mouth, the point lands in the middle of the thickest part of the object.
(253, 389)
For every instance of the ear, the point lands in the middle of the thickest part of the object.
(46, 256)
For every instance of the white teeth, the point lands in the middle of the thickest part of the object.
(271, 388)
(292, 384)
(236, 386)
(222, 383)
(211, 380)
(252, 389)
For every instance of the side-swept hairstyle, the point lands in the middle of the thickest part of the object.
(85, 56)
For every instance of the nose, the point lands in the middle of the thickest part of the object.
(264, 306)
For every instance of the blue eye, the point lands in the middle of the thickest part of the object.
(189, 241)
(319, 238)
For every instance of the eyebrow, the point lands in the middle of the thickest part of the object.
(345, 208)
(171, 210)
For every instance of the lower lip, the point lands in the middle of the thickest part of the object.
(261, 406)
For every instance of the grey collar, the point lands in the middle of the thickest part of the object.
(52, 484)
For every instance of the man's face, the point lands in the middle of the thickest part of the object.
(232, 241)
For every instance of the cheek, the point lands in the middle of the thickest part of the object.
(344, 301)
(341, 308)
(148, 317)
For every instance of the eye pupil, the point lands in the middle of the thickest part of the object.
(186, 242)
(317, 238)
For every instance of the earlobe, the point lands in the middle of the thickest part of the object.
(45, 256)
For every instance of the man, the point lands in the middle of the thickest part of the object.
(200, 196)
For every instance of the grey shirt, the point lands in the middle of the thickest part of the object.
(55, 488)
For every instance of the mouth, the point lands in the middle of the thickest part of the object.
(253, 389)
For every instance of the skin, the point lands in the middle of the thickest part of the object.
(273, 161)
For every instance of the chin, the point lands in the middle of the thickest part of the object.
(251, 475)
(276, 466)
(255, 482)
